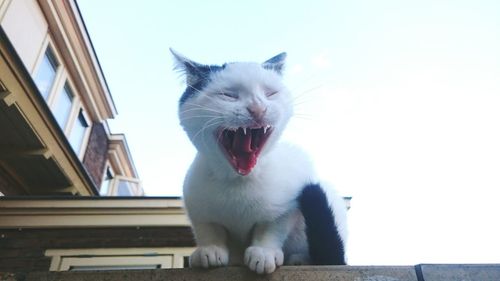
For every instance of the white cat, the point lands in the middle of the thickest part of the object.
(252, 200)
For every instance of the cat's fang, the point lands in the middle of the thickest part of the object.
(243, 146)
(265, 129)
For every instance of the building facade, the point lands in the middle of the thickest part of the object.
(54, 107)
(70, 195)
(80, 233)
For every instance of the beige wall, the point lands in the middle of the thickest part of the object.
(24, 23)
(33, 26)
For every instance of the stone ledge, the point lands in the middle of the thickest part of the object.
(462, 272)
(427, 272)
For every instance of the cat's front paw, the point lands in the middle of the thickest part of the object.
(209, 256)
(263, 260)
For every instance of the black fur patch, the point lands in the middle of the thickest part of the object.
(192, 90)
(275, 63)
(203, 73)
(325, 244)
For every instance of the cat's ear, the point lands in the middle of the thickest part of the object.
(275, 63)
(194, 71)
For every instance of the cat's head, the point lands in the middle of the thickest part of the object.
(235, 112)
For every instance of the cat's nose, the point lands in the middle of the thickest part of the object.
(257, 111)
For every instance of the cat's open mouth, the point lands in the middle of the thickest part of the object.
(242, 146)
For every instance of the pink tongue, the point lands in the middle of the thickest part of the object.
(242, 150)
(242, 142)
(246, 162)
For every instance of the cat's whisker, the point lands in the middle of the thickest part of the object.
(307, 92)
(302, 99)
(192, 87)
(199, 107)
(304, 117)
(206, 128)
(302, 113)
(201, 110)
(204, 131)
(295, 104)
(197, 116)
(219, 138)
(195, 104)
(207, 125)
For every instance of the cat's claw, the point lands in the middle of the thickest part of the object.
(209, 256)
(263, 260)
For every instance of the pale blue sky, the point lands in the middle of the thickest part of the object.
(398, 102)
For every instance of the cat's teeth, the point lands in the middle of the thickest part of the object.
(245, 131)
(265, 128)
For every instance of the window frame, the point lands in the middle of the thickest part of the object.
(111, 182)
(48, 44)
(67, 264)
(115, 184)
(166, 257)
(3, 8)
(62, 79)
(75, 101)
(71, 125)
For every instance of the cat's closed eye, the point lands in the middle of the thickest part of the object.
(228, 95)
(271, 93)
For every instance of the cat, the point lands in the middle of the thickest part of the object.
(251, 199)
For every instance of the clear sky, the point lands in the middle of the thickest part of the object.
(398, 103)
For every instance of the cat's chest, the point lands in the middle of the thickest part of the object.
(240, 205)
(267, 193)
(245, 203)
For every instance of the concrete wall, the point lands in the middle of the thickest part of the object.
(290, 273)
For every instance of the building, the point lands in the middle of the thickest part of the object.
(54, 107)
(93, 233)
(58, 156)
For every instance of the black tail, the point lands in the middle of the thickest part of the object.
(325, 243)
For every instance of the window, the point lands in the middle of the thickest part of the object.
(124, 188)
(62, 107)
(118, 185)
(46, 73)
(107, 181)
(78, 132)
(127, 186)
(118, 258)
(116, 263)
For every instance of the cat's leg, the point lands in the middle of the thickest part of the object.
(265, 253)
(296, 248)
(212, 249)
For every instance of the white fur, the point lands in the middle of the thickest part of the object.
(252, 219)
